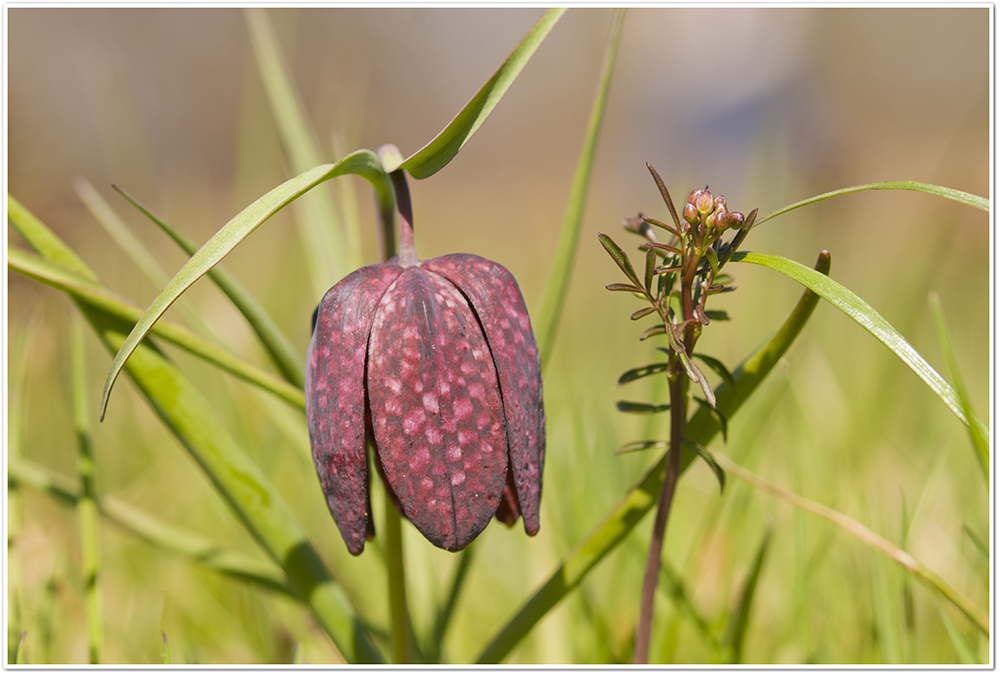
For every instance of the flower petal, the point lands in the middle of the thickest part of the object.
(496, 299)
(436, 409)
(335, 396)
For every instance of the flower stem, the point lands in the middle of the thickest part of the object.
(398, 620)
(407, 254)
(678, 415)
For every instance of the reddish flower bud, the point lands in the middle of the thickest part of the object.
(439, 356)
(704, 203)
(736, 220)
(691, 214)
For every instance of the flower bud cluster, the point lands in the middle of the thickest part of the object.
(704, 209)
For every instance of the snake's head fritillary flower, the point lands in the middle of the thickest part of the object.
(437, 362)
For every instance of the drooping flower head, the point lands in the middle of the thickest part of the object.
(436, 361)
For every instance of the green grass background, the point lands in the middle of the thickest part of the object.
(766, 106)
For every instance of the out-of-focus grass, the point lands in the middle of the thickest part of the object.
(844, 423)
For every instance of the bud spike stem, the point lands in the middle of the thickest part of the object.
(407, 254)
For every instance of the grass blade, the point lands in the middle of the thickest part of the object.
(443, 617)
(557, 285)
(274, 340)
(86, 505)
(672, 584)
(99, 298)
(980, 443)
(43, 240)
(442, 149)
(363, 162)
(399, 617)
(145, 526)
(741, 620)
(19, 656)
(859, 531)
(981, 548)
(948, 193)
(963, 647)
(165, 653)
(237, 479)
(639, 501)
(859, 310)
(319, 226)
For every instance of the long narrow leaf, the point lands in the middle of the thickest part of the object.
(442, 149)
(947, 193)
(98, 297)
(980, 443)
(554, 296)
(644, 371)
(859, 531)
(152, 530)
(870, 320)
(43, 240)
(363, 162)
(319, 226)
(274, 340)
(249, 494)
(701, 428)
(741, 620)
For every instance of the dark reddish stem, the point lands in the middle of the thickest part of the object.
(407, 254)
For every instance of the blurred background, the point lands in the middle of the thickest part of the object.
(767, 106)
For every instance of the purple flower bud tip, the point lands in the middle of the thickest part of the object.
(440, 358)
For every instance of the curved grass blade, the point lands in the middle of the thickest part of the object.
(442, 149)
(715, 364)
(980, 443)
(86, 503)
(870, 320)
(557, 285)
(327, 251)
(237, 479)
(443, 617)
(672, 585)
(963, 647)
(702, 452)
(644, 371)
(859, 531)
(43, 240)
(150, 529)
(948, 193)
(982, 549)
(363, 162)
(741, 621)
(274, 340)
(113, 305)
(639, 501)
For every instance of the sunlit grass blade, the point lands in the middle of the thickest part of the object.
(639, 501)
(963, 647)
(327, 254)
(399, 617)
(249, 494)
(740, 620)
(274, 340)
(546, 318)
(865, 535)
(139, 523)
(19, 655)
(672, 584)
(948, 193)
(43, 240)
(363, 162)
(980, 442)
(86, 505)
(886, 605)
(859, 310)
(442, 149)
(981, 548)
(447, 610)
(103, 300)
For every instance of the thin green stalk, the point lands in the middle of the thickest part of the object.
(909, 563)
(276, 343)
(86, 505)
(443, 618)
(554, 296)
(402, 651)
(673, 585)
(96, 296)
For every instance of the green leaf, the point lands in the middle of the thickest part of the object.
(948, 193)
(636, 446)
(363, 162)
(963, 646)
(331, 250)
(97, 297)
(619, 256)
(650, 266)
(723, 423)
(716, 365)
(702, 452)
(642, 408)
(442, 618)
(165, 653)
(658, 329)
(717, 314)
(672, 584)
(643, 312)
(741, 620)
(644, 371)
(981, 548)
(713, 261)
(553, 297)
(149, 528)
(641, 499)
(631, 288)
(980, 442)
(442, 149)
(41, 238)
(274, 340)
(870, 320)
